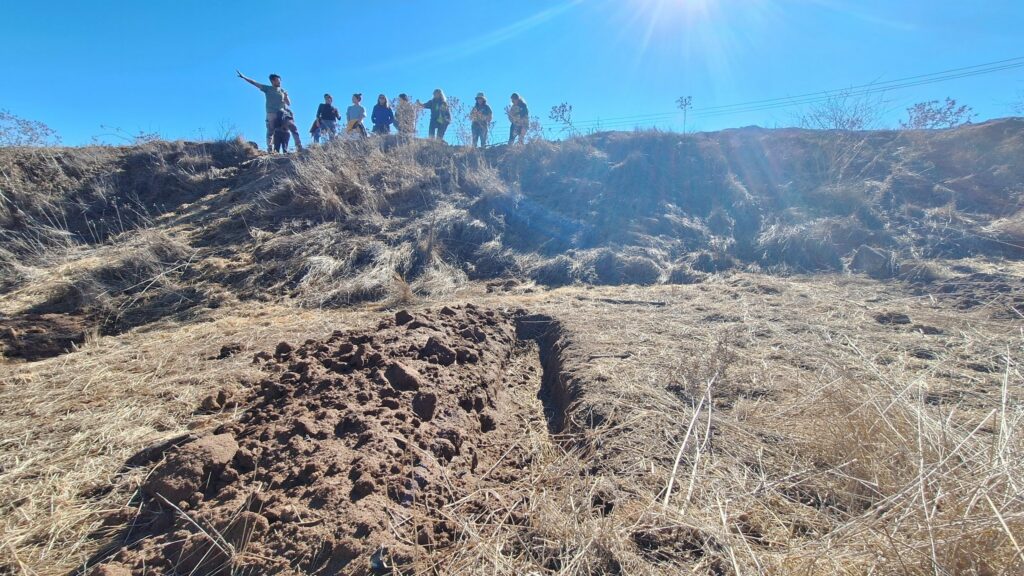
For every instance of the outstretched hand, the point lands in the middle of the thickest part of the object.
(239, 72)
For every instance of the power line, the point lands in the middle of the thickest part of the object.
(1012, 62)
(738, 109)
(821, 96)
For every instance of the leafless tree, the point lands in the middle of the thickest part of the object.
(932, 115)
(17, 131)
(460, 119)
(842, 111)
(562, 114)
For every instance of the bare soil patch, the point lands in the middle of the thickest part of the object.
(38, 336)
(347, 456)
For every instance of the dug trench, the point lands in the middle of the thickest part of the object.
(365, 453)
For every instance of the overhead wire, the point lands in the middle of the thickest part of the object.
(812, 97)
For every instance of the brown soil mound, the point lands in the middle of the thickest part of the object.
(347, 456)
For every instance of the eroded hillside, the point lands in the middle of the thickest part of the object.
(630, 353)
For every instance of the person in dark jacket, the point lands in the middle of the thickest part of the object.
(519, 116)
(480, 117)
(382, 116)
(440, 115)
(327, 117)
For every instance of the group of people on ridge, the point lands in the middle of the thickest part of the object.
(281, 127)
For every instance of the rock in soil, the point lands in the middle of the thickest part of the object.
(347, 456)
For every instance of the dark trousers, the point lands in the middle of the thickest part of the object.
(480, 133)
(437, 129)
(514, 131)
(281, 138)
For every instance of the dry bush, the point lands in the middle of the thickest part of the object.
(1009, 231)
(558, 271)
(17, 131)
(815, 245)
(325, 266)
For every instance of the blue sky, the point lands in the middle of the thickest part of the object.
(99, 69)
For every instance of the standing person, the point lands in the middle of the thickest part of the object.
(481, 117)
(382, 116)
(277, 100)
(314, 131)
(519, 116)
(281, 134)
(405, 116)
(355, 116)
(440, 115)
(283, 124)
(327, 117)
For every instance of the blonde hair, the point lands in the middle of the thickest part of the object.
(438, 91)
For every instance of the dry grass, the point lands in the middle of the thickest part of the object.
(71, 422)
(810, 443)
(740, 424)
(785, 435)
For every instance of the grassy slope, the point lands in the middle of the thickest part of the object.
(825, 441)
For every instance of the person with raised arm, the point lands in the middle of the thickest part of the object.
(440, 115)
(277, 100)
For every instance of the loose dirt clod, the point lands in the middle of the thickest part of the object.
(344, 459)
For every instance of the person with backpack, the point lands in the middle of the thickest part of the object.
(327, 117)
(480, 117)
(284, 124)
(519, 116)
(355, 116)
(277, 100)
(405, 116)
(382, 117)
(440, 115)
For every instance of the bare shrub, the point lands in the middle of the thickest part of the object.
(535, 130)
(562, 115)
(17, 131)
(843, 110)
(932, 115)
(460, 120)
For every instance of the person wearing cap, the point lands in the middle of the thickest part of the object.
(355, 116)
(405, 115)
(277, 100)
(519, 116)
(382, 117)
(327, 117)
(440, 115)
(480, 117)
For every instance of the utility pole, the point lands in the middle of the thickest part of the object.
(684, 103)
